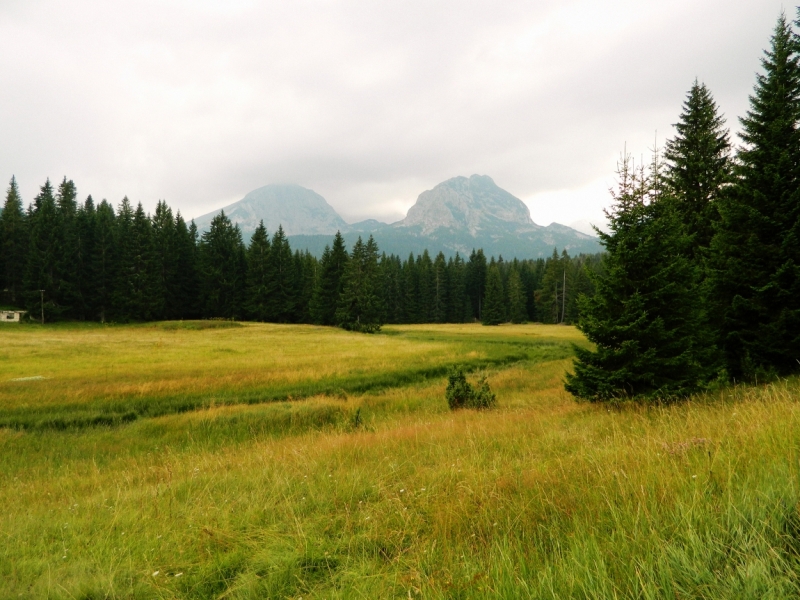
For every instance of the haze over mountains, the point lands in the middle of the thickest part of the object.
(457, 215)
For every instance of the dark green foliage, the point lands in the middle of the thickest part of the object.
(13, 245)
(698, 166)
(475, 276)
(259, 276)
(517, 310)
(460, 394)
(166, 291)
(280, 302)
(359, 304)
(43, 257)
(187, 283)
(222, 266)
(756, 253)
(83, 277)
(103, 262)
(645, 318)
(494, 308)
(328, 288)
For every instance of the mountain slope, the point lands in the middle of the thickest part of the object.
(299, 210)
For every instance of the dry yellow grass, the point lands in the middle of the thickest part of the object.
(543, 497)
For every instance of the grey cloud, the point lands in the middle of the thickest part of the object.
(366, 103)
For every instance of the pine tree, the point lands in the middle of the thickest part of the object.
(645, 314)
(84, 280)
(550, 298)
(223, 270)
(359, 305)
(259, 276)
(756, 254)
(306, 271)
(104, 263)
(145, 300)
(165, 240)
(411, 311)
(698, 166)
(41, 281)
(475, 276)
(187, 277)
(65, 292)
(517, 309)
(13, 245)
(329, 283)
(439, 289)
(494, 306)
(282, 294)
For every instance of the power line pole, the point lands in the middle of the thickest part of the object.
(41, 292)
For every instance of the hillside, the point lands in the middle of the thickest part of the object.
(297, 209)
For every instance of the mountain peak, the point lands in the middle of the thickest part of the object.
(297, 209)
(473, 204)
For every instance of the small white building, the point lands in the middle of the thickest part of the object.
(11, 316)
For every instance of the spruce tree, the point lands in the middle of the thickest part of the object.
(475, 276)
(359, 305)
(123, 303)
(187, 277)
(65, 292)
(493, 309)
(645, 314)
(282, 295)
(698, 166)
(84, 279)
(43, 249)
(756, 253)
(104, 263)
(439, 289)
(13, 245)
(326, 294)
(223, 269)
(411, 311)
(517, 309)
(165, 292)
(259, 276)
(550, 299)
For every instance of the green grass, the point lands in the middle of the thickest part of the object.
(252, 496)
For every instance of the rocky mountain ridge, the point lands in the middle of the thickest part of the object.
(457, 215)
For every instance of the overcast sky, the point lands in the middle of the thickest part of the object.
(368, 103)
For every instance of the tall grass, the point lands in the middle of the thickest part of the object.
(540, 498)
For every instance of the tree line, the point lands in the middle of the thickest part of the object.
(67, 260)
(701, 279)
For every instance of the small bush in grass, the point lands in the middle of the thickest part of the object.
(460, 394)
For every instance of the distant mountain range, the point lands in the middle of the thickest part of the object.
(455, 216)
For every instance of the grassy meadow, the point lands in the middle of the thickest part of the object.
(224, 460)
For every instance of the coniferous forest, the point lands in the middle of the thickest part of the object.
(87, 262)
(702, 267)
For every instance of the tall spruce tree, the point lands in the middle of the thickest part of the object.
(165, 292)
(475, 276)
(223, 269)
(698, 166)
(83, 278)
(517, 310)
(41, 280)
(187, 284)
(494, 307)
(645, 313)
(359, 305)
(104, 262)
(259, 276)
(13, 245)
(325, 298)
(756, 253)
(65, 287)
(281, 301)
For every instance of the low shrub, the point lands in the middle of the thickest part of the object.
(460, 394)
